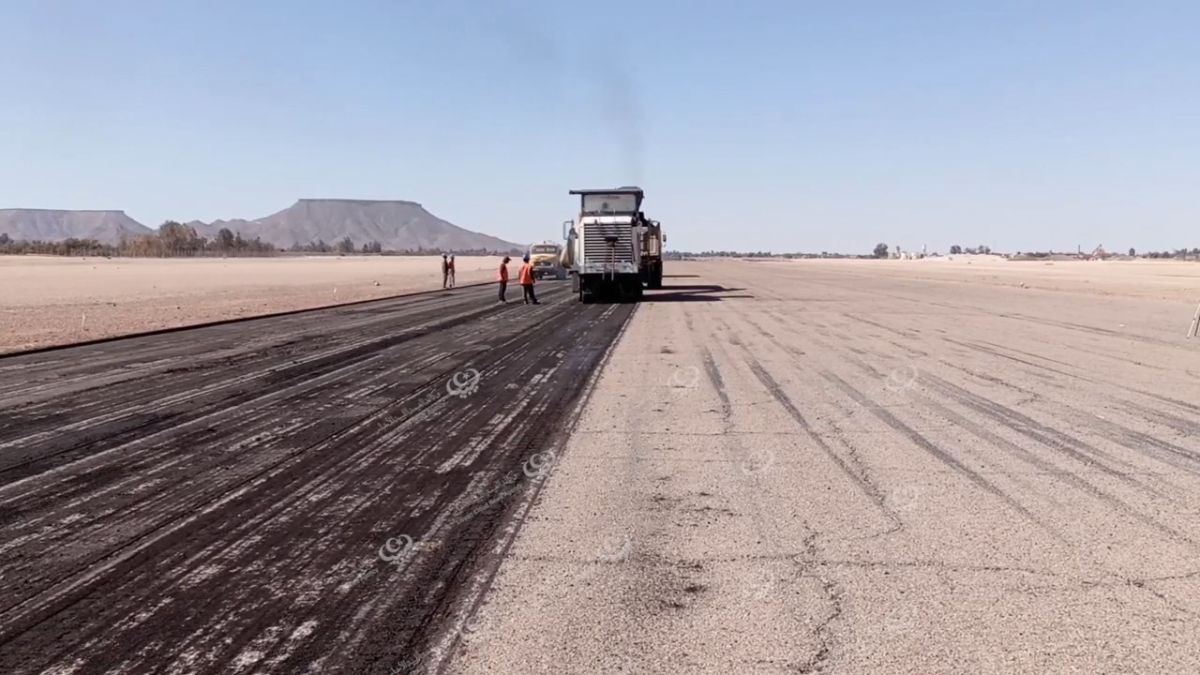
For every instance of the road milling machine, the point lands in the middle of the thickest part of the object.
(611, 248)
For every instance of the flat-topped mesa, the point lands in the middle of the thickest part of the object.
(357, 202)
(114, 212)
(107, 226)
(397, 224)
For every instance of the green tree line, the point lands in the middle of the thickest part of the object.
(173, 240)
(176, 240)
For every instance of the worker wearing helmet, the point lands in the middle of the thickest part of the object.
(526, 279)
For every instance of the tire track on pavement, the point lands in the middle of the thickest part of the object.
(908, 432)
(1077, 449)
(852, 468)
(925, 444)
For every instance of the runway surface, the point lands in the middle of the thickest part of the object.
(306, 493)
(771, 467)
(869, 468)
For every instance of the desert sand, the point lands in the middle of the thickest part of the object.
(52, 300)
(1158, 279)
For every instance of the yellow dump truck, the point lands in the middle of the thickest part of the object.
(651, 266)
(545, 260)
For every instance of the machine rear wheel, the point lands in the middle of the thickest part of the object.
(631, 292)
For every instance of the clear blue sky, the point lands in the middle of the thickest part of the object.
(752, 125)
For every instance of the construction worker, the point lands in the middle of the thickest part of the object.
(504, 279)
(527, 282)
(445, 271)
(451, 270)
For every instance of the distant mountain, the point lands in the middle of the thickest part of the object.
(53, 225)
(397, 225)
(210, 230)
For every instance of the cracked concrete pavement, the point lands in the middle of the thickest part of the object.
(846, 468)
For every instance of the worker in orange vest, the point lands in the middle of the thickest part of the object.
(504, 279)
(527, 281)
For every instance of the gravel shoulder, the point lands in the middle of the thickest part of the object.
(871, 469)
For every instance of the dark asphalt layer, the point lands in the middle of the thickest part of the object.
(302, 493)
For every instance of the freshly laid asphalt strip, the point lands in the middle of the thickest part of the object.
(294, 493)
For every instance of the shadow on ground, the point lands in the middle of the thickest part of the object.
(693, 293)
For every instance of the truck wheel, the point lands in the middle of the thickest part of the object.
(656, 279)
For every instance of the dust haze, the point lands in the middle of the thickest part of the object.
(614, 99)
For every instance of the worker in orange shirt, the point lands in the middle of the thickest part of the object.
(503, 278)
(527, 281)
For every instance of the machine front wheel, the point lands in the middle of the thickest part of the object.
(656, 277)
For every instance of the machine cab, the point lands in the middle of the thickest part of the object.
(623, 201)
(611, 205)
